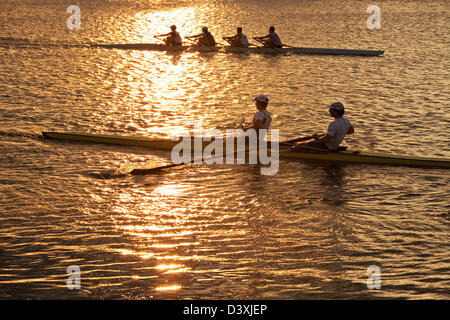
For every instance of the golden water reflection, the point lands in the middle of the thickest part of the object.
(163, 88)
(146, 24)
(169, 288)
(158, 229)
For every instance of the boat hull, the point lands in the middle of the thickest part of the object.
(231, 49)
(155, 47)
(342, 156)
(305, 50)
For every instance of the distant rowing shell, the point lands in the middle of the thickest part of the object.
(307, 50)
(154, 46)
(230, 49)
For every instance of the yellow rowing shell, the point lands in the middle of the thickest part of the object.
(347, 156)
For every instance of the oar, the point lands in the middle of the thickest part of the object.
(262, 42)
(152, 170)
(227, 39)
(293, 141)
(193, 42)
(230, 42)
(286, 45)
(158, 37)
(145, 171)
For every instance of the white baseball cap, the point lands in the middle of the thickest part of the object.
(262, 98)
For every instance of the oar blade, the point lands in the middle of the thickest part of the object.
(145, 171)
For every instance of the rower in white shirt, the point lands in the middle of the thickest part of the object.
(173, 37)
(238, 40)
(262, 118)
(271, 40)
(337, 130)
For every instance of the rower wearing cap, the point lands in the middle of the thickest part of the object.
(271, 40)
(238, 40)
(173, 37)
(205, 39)
(337, 130)
(262, 118)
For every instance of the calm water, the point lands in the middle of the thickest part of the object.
(214, 232)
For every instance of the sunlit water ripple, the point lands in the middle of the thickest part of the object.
(211, 232)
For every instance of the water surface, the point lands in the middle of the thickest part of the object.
(212, 232)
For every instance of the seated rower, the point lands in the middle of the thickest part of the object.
(238, 40)
(272, 40)
(262, 118)
(173, 37)
(336, 132)
(204, 39)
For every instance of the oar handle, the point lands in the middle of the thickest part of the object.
(227, 39)
(189, 39)
(293, 141)
(264, 44)
(159, 39)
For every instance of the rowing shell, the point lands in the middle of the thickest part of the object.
(156, 47)
(342, 156)
(231, 49)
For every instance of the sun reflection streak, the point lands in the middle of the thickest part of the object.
(162, 245)
(157, 222)
(162, 88)
(170, 190)
(160, 238)
(177, 258)
(146, 24)
(142, 255)
(169, 288)
(172, 268)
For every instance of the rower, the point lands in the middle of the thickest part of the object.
(238, 40)
(262, 118)
(173, 37)
(272, 40)
(204, 39)
(337, 130)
